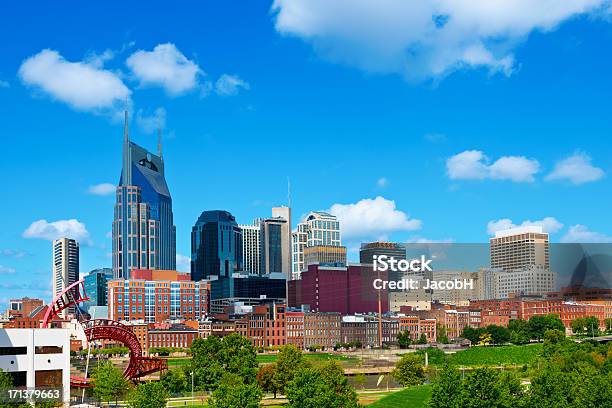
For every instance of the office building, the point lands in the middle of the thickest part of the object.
(251, 247)
(96, 287)
(249, 290)
(23, 307)
(65, 267)
(275, 247)
(345, 290)
(144, 235)
(532, 280)
(318, 228)
(156, 296)
(37, 358)
(371, 249)
(216, 250)
(325, 255)
(520, 248)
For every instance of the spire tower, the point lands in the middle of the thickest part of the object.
(127, 160)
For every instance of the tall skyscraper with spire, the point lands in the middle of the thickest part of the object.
(144, 235)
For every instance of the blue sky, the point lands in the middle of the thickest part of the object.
(442, 122)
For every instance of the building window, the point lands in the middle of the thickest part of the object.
(13, 351)
(48, 350)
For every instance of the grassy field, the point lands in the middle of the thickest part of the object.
(269, 358)
(496, 356)
(413, 397)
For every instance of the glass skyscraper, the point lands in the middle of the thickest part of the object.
(96, 287)
(216, 251)
(144, 235)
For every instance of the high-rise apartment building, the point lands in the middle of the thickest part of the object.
(251, 247)
(216, 251)
(520, 248)
(144, 235)
(65, 266)
(318, 228)
(370, 249)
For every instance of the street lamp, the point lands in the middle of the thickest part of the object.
(192, 401)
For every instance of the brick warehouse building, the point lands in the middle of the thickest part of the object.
(346, 290)
(156, 296)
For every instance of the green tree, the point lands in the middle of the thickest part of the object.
(403, 339)
(149, 395)
(360, 380)
(608, 324)
(441, 336)
(409, 370)
(499, 334)
(550, 388)
(485, 339)
(471, 334)
(447, 390)
(323, 386)
(591, 324)
(485, 389)
(290, 360)
(422, 339)
(578, 325)
(519, 331)
(265, 378)
(108, 383)
(233, 392)
(539, 324)
(175, 381)
(213, 357)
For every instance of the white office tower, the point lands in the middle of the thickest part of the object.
(518, 248)
(521, 260)
(65, 266)
(317, 229)
(251, 247)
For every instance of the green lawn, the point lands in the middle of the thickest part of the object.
(496, 356)
(413, 397)
(271, 358)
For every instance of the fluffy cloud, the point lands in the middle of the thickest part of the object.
(150, 123)
(42, 229)
(81, 85)
(577, 169)
(6, 269)
(548, 224)
(372, 218)
(165, 66)
(230, 85)
(183, 263)
(102, 189)
(423, 39)
(474, 165)
(581, 234)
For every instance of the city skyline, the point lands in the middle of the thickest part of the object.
(505, 141)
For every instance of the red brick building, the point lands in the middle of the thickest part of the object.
(179, 336)
(346, 290)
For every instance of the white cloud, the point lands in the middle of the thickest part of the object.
(548, 224)
(102, 189)
(150, 123)
(13, 253)
(372, 218)
(83, 86)
(167, 67)
(183, 263)
(577, 169)
(581, 234)
(474, 165)
(6, 269)
(423, 39)
(230, 85)
(42, 229)
(382, 182)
